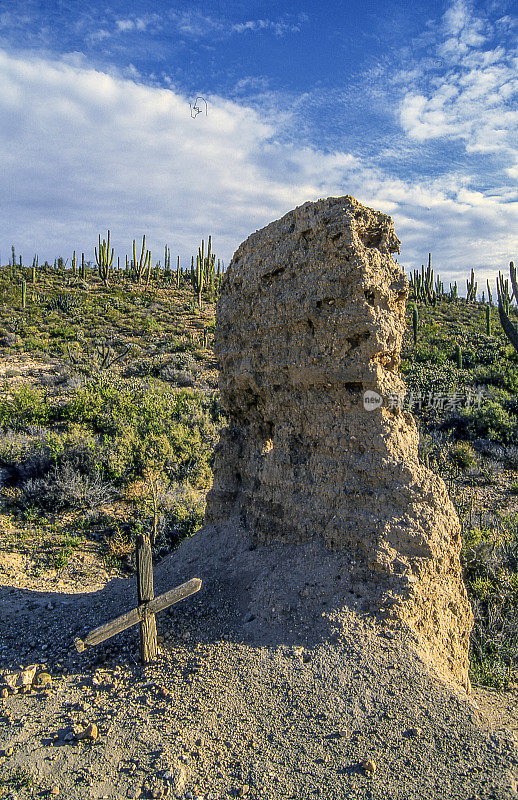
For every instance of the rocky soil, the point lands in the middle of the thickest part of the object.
(271, 682)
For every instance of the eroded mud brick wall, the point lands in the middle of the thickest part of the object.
(311, 316)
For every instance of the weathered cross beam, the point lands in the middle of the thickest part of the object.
(148, 606)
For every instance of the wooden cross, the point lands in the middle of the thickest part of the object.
(148, 606)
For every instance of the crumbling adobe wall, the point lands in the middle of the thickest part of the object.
(312, 315)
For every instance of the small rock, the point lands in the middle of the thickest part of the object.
(90, 732)
(369, 766)
(134, 792)
(23, 677)
(242, 790)
(177, 776)
(55, 791)
(43, 679)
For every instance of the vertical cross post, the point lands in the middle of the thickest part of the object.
(148, 642)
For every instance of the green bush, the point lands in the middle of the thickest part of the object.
(490, 421)
(443, 379)
(462, 455)
(27, 405)
(490, 561)
(142, 423)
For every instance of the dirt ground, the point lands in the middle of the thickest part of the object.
(265, 687)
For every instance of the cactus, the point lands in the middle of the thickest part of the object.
(74, 264)
(514, 284)
(34, 268)
(424, 287)
(488, 321)
(24, 294)
(104, 259)
(502, 288)
(471, 288)
(415, 320)
(178, 272)
(489, 295)
(453, 292)
(458, 356)
(167, 264)
(148, 270)
(197, 276)
(208, 268)
(144, 262)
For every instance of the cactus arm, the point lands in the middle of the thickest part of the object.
(508, 328)
(514, 283)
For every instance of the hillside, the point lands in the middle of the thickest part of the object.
(109, 415)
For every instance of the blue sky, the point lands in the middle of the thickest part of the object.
(411, 108)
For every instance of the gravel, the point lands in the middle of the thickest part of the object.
(271, 683)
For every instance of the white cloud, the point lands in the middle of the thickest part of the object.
(140, 24)
(278, 27)
(474, 102)
(82, 151)
(124, 25)
(98, 36)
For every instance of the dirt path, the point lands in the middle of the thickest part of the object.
(257, 693)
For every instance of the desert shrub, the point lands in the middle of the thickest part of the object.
(433, 450)
(143, 367)
(27, 453)
(489, 421)
(484, 350)
(119, 544)
(427, 353)
(443, 379)
(134, 419)
(185, 361)
(490, 561)
(509, 455)
(64, 487)
(501, 374)
(178, 377)
(183, 511)
(33, 452)
(27, 405)
(462, 455)
(81, 449)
